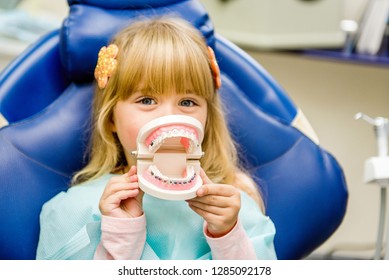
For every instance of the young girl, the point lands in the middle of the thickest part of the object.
(153, 68)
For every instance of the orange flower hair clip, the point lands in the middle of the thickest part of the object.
(214, 68)
(106, 64)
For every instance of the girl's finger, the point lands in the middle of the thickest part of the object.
(123, 195)
(218, 201)
(120, 186)
(132, 171)
(206, 208)
(216, 189)
(117, 198)
(204, 177)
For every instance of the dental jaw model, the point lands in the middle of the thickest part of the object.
(168, 153)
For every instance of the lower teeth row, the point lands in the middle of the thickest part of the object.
(173, 181)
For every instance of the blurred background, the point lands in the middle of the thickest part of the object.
(330, 86)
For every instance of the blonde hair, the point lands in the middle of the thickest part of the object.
(159, 55)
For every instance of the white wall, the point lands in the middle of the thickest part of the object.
(353, 9)
(46, 8)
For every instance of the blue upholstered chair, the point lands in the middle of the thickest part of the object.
(45, 94)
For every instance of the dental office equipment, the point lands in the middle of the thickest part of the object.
(377, 171)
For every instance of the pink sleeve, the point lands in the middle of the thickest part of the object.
(235, 245)
(121, 238)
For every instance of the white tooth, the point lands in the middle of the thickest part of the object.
(160, 141)
(156, 144)
(158, 173)
(151, 169)
(189, 171)
(152, 146)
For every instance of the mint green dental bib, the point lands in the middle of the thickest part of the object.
(70, 226)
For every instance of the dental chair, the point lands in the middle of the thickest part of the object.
(45, 95)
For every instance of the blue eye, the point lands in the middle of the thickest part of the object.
(187, 103)
(147, 101)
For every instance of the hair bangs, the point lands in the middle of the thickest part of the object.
(173, 64)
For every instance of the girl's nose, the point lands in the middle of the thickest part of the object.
(170, 109)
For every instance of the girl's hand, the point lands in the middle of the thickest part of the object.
(218, 204)
(122, 197)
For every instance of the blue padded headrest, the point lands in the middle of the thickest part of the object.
(44, 151)
(91, 24)
(125, 4)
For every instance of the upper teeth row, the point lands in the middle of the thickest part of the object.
(157, 142)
